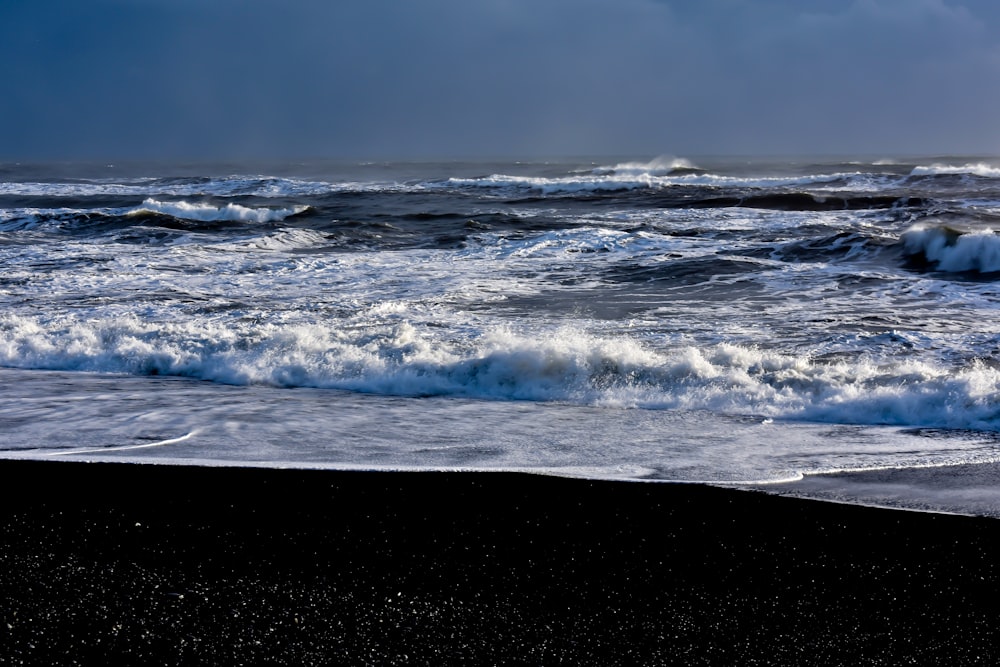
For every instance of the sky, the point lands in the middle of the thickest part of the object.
(428, 79)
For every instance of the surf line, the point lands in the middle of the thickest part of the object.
(121, 448)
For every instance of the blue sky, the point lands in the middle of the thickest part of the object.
(496, 78)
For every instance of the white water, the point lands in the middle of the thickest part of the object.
(101, 417)
(983, 169)
(562, 365)
(949, 250)
(206, 212)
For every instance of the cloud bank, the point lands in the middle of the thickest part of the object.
(501, 78)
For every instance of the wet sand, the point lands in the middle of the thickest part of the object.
(955, 489)
(106, 563)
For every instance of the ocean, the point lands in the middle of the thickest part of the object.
(748, 322)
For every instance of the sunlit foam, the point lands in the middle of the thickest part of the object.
(208, 213)
(973, 169)
(949, 249)
(562, 365)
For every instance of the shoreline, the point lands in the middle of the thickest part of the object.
(962, 489)
(170, 564)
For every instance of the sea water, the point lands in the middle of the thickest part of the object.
(724, 320)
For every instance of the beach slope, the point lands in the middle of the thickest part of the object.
(106, 563)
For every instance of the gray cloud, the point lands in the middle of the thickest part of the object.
(436, 78)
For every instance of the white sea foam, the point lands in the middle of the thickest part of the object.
(209, 213)
(285, 240)
(257, 186)
(973, 169)
(561, 365)
(637, 178)
(954, 251)
(657, 173)
(581, 240)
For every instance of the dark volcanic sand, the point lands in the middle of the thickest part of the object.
(148, 564)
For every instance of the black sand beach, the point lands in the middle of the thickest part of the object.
(157, 564)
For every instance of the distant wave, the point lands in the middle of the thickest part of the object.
(32, 218)
(226, 186)
(947, 249)
(208, 213)
(634, 180)
(565, 365)
(661, 166)
(804, 201)
(655, 174)
(21, 219)
(977, 169)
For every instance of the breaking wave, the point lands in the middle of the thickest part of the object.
(634, 180)
(566, 365)
(661, 166)
(947, 249)
(208, 213)
(972, 169)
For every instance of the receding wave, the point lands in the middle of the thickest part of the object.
(563, 365)
(945, 248)
(208, 213)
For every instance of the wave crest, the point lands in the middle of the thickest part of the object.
(612, 181)
(969, 169)
(563, 365)
(201, 212)
(660, 166)
(947, 249)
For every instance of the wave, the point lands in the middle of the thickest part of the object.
(612, 181)
(561, 365)
(948, 249)
(226, 186)
(804, 201)
(661, 166)
(200, 212)
(655, 174)
(971, 169)
(27, 219)
(837, 247)
(283, 240)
